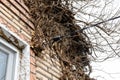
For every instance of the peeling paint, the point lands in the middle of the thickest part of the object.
(11, 39)
(23, 59)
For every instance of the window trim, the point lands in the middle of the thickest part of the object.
(25, 52)
(11, 49)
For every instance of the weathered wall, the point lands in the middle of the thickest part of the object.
(14, 14)
(46, 68)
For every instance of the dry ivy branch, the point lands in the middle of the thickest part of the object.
(56, 29)
(53, 18)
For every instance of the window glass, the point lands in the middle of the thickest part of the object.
(3, 64)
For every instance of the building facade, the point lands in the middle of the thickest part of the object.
(17, 60)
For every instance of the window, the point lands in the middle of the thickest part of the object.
(12, 66)
(8, 55)
(3, 64)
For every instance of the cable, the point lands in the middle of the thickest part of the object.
(57, 38)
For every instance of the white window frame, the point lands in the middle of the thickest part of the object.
(13, 59)
(22, 66)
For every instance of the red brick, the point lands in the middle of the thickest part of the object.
(32, 53)
(32, 76)
(32, 68)
(32, 60)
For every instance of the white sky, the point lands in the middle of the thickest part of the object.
(107, 70)
(110, 69)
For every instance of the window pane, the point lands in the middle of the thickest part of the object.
(3, 64)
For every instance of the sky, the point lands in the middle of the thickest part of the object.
(109, 69)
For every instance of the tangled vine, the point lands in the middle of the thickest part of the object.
(56, 29)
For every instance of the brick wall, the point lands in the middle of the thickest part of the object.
(14, 14)
(47, 68)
